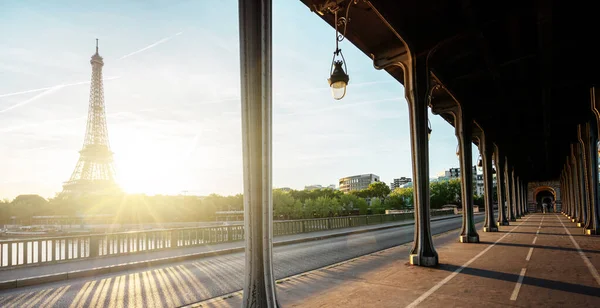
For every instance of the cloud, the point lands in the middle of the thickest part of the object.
(38, 96)
(151, 45)
(341, 106)
(53, 87)
(36, 124)
(47, 91)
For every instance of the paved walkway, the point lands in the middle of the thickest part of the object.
(87, 264)
(542, 260)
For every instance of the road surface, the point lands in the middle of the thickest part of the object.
(186, 282)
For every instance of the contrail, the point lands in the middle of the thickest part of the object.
(25, 102)
(47, 90)
(151, 45)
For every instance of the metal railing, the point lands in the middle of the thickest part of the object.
(46, 250)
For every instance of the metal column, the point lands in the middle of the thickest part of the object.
(255, 19)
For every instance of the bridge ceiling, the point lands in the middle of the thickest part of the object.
(522, 68)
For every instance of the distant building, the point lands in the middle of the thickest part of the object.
(286, 189)
(313, 187)
(479, 188)
(454, 173)
(357, 182)
(317, 186)
(397, 183)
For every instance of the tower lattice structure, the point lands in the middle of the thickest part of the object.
(94, 173)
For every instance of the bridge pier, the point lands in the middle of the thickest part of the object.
(416, 91)
(485, 148)
(255, 26)
(593, 224)
(501, 187)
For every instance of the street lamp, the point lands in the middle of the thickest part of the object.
(338, 78)
(457, 151)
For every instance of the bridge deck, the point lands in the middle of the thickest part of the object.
(542, 260)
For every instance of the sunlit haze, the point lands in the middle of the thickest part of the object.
(172, 99)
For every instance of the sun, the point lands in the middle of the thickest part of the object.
(144, 167)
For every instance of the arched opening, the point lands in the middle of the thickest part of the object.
(545, 197)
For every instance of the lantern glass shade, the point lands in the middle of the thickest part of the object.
(338, 90)
(338, 80)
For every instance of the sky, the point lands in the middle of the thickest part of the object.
(172, 99)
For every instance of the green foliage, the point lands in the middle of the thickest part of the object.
(400, 198)
(293, 204)
(444, 192)
(377, 206)
(378, 190)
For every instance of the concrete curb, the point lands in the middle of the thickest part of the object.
(92, 272)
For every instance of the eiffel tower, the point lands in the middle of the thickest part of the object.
(94, 173)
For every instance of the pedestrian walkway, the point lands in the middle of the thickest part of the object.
(174, 255)
(542, 260)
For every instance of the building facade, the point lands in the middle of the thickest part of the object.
(357, 182)
(397, 183)
(317, 186)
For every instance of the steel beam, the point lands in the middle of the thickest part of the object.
(255, 18)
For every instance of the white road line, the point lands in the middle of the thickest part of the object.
(515, 292)
(587, 262)
(534, 239)
(529, 254)
(438, 285)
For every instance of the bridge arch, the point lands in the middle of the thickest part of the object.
(545, 194)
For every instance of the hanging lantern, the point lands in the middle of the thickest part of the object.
(338, 79)
(338, 76)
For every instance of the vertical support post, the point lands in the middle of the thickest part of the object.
(513, 193)
(501, 187)
(464, 129)
(174, 238)
(593, 225)
(485, 147)
(255, 18)
(518, 202)
(525, 193)
(564, 192)
(416, 76)
(575, 184)
(94, 246)
(570, 189)
(583, 162)
(509, 202)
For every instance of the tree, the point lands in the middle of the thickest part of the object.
(400, 198)
(284, 204)
(378, 190)
(377, 206)
(445, 192)
(348, 202)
